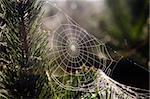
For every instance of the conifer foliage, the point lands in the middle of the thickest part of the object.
(22, 49)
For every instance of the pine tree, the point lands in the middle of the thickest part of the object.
(23, 49)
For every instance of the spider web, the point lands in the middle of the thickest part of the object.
(73, 49)
(78, 59)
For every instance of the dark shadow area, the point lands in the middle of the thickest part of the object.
(128, 73)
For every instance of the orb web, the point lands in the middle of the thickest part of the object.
(74, 47)
(78, 59)
(77, 54)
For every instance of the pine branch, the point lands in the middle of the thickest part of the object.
(23, 33)
(26, 49)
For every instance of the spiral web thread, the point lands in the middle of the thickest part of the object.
(80, 62)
